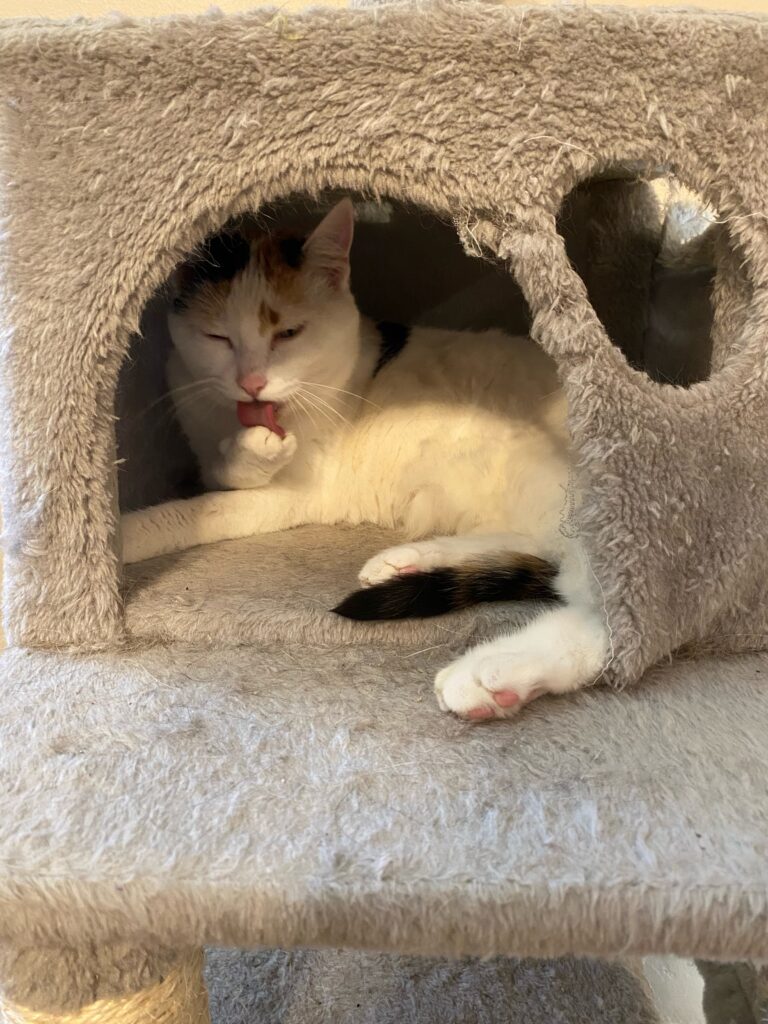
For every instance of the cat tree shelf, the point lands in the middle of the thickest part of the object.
(296, 793)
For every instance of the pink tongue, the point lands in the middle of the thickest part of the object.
(259, 414)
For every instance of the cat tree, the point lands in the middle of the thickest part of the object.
(191, 755)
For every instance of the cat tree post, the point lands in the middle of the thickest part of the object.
(108, 986)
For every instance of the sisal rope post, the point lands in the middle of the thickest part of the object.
(178, 998)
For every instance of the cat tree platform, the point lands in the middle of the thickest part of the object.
(193, 750)
(290, 793)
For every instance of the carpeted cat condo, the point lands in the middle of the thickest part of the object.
(195, 750)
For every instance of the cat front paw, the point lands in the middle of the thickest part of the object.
(558, 652)
(484, 685)
(260, 445)
(401, 560)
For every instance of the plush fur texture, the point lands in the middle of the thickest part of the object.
(666, 515)
(62, 980)
(212, 595)
(331, 987)
(432, 591)
(304, 795)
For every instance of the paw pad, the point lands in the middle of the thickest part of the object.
(506, 698)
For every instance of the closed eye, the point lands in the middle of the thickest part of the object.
(220, 337)
(289, 332)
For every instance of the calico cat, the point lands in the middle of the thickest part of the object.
(305, 412)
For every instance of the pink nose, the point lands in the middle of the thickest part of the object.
(253, 383)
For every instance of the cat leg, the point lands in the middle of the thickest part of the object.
(561, 650)
(219, 515)
(440, 552)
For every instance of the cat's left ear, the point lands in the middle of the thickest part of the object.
(327, 248)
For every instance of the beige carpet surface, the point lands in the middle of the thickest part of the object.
(198, 787)
(332, 987)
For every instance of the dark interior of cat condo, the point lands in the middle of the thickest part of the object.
(644, 249)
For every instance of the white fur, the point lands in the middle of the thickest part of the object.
(461, 435)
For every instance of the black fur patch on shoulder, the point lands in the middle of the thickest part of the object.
(423, 595)
(292, 251)
(394, 338)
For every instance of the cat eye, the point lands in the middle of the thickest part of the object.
(219, 337)
(289, 332)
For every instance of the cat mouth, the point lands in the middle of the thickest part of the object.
(259, 414)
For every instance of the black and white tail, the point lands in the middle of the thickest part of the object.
(509, 576)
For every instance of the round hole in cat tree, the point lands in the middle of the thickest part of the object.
(648, 249)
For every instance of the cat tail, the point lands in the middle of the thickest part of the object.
(508, 576)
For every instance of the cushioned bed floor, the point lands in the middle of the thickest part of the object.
(280, 587)
(313, 794)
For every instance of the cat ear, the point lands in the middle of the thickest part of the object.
(327, 248)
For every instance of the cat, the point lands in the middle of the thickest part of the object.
(303, 411)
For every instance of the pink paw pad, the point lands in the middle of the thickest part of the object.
(480, 714)
(506, 698)
(408, 570)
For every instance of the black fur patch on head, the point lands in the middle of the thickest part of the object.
(292, 251)
(220, 258)
(394, 338)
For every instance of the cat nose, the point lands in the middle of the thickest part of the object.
(253, 383)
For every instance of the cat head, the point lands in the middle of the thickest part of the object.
(262, 317)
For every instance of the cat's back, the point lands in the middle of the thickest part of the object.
(456, 427)
(488, 370)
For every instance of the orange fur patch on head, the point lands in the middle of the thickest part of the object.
(278, 260)
(267, 316)
(269, 266)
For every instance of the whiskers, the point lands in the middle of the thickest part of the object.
(306, 409)
(318, 403)
(176, 399)
(329, 387)
(311, 404)
(326, 406)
